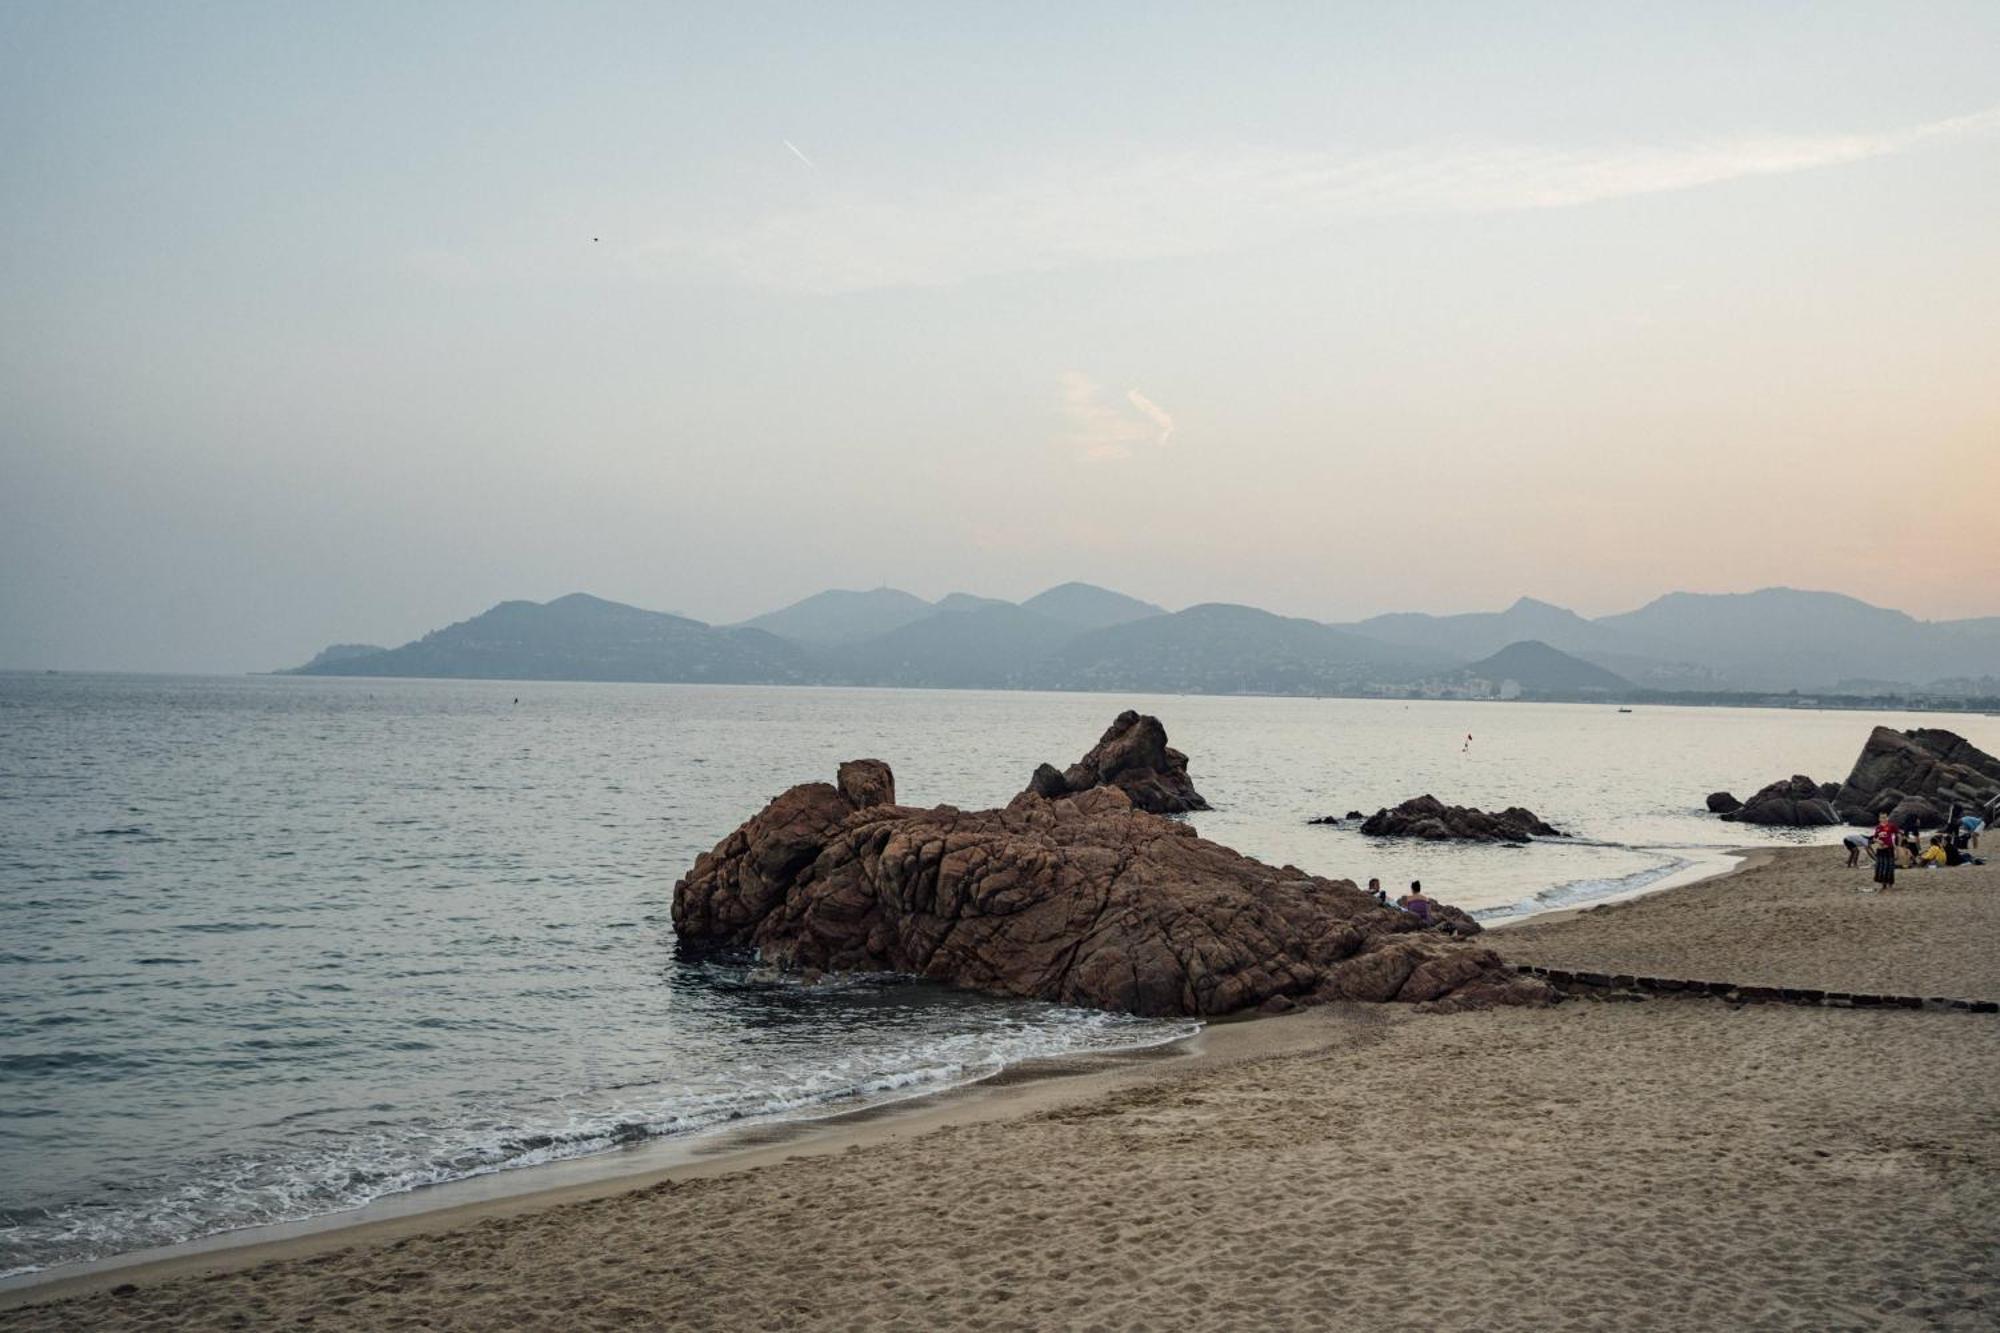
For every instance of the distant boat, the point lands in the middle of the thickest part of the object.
(1624, 710)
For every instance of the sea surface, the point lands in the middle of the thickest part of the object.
(272, 948)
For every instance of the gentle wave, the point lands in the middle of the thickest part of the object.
(237, 1194)
(1577, 892)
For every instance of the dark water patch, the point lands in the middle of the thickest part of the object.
(33, 1063)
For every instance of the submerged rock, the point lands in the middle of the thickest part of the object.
(1792, 802)
(1133, 756)
(1925, 771)
(1082, 900)
(1428, 817)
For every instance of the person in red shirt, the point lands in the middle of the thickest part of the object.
(1885, 851)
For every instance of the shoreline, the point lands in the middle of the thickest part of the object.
(1748, 1164)
(1037, 1084)
(717, 1150)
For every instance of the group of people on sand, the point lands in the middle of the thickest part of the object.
(1897, 848)
(1414, 902)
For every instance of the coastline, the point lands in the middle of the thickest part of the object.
(1030, 1087)
(714, 1150)
(922, 1141)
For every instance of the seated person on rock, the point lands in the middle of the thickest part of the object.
(1415, 903)
(1376, 892)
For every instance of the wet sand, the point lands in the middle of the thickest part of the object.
(1661, 1164)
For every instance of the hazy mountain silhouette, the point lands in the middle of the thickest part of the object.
(580, 637)
(965, 601)
(1078, 636)
(1785, 638)
(1480, 633)
(997, 646)
(1087, 606)
(841, 616)
(1540, 669)
(335, 653)
(1223, 649)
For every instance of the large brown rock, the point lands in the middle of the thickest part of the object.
(1082, 900)
(1923, 771)
(1428, 817)
(1792, 802)
(1133, 756)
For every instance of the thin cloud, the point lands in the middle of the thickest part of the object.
(1158, 415)
(1213, 200)
(1099, 428)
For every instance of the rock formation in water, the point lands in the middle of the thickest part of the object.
(1923, 773)
(1722, 803)
(1081, 899)
(1792, 802)
(1428, 817)
(1133, 756)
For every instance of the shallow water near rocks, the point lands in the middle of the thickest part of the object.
(273, 948)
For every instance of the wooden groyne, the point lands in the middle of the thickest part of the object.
(1614, 986)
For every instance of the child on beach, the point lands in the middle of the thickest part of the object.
(1885, 852)
(1855, 843)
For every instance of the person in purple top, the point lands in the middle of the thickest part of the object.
(1415, 903)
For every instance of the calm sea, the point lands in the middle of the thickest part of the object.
(274, 948)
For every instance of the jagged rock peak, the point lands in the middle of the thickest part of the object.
(1133, 756)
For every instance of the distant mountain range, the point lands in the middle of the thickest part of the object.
(580, 637)
(1080, 637)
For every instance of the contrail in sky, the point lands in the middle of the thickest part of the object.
(800, 156)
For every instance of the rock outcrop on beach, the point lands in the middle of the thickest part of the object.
(1133, 756)
(1923, 773)
(1722, 803)
(1428, 817)
(1792, 802)
(1082, 900)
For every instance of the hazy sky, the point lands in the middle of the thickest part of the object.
(343, 321)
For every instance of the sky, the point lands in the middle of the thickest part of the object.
(343, 322)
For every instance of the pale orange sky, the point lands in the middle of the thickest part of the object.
(347, 323)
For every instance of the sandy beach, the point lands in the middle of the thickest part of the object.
(1671, 1163)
